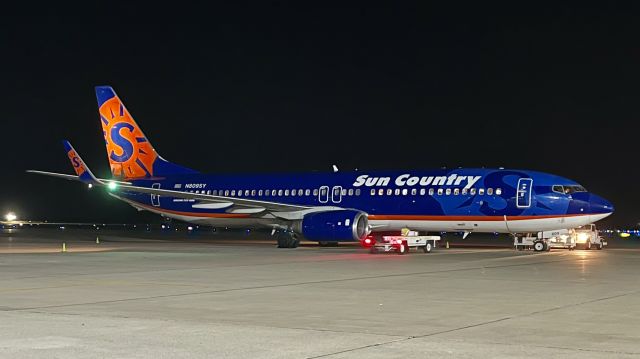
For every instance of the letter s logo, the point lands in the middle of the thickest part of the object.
(76, 161)
(123, 143)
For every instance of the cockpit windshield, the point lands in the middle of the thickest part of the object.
(568, 189)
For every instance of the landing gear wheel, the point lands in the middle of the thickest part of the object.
(599, 247)
(538, 246)
(403, 249)
(587, 245)
(427, 248)
(288, 240)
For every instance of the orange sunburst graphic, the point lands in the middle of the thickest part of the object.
(130, 154)
(78, 166)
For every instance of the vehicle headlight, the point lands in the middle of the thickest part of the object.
(583, 237)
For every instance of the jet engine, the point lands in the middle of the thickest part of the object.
(333, 226)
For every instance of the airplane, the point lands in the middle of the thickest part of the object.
(332, 207)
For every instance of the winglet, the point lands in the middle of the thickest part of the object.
(83, 172)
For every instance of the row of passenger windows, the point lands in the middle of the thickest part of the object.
(352, 192)
(439, 191)
(273, 192)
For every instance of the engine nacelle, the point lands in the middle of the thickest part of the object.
(334, 226)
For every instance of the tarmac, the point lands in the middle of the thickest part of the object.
(149, 295)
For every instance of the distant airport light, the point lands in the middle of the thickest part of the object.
(112, 186)
(10, 217)
(624, 235)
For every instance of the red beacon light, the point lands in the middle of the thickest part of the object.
(368, 241)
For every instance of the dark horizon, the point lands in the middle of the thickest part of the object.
(275, 88)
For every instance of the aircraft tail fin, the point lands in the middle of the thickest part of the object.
(130, 153)
(82, 170)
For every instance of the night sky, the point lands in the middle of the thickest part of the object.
(291, 88)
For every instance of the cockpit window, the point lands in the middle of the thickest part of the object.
(573, 189)
(568, 189)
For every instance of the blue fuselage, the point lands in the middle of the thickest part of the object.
(461, 199)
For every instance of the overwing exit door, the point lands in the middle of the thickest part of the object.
(155, 198)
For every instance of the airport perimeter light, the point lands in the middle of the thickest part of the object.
(10, 217)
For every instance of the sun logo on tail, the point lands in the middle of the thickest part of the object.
(130, 154)
(78, 166)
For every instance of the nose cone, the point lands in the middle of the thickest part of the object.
(600, 205)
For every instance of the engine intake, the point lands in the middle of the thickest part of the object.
(337, 225)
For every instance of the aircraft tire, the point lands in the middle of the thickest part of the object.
(282, 242)
(402, 250)
(599, 246)
(587, 245)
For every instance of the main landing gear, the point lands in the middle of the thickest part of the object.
(287, 240)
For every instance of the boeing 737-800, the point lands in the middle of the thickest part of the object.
(333, 207)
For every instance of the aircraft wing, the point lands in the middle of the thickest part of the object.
(231, 204)
(244, 202)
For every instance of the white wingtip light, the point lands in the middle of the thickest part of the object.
(335, 168)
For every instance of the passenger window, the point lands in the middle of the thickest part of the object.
(286, 192)
(293, 193)
(448, 191)
(472, 191)
(380, 192)
(240, 193)
(405, 192)
(267, 192)
(315, 192)
(233, 193)
(344, 192)
(350, 191)
(490, 191)
(260, 193)
(557, 189)
(373, 191)
(226, 193)
(431, 191)
(300, 192)
(389, 192)
(481, 191)
(215, 192)
(456, 191)
(414, 191)
(397, 191)
(253, 193)
(440, 191)
(422, 191)
(307, 192)
(358, 192)
(464, 191)
(498, 191)
(280, 192)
